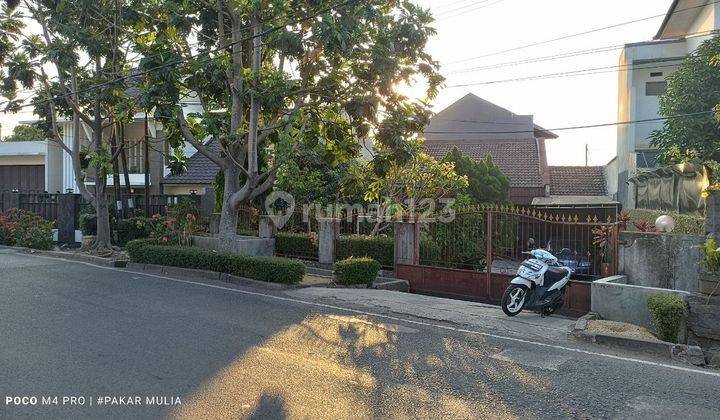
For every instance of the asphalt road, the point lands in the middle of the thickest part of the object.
(69, 329)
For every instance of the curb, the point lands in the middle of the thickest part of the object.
(209, 275)
(678, 352)
(391, 284)
(118, 263)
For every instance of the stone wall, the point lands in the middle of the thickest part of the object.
(614, 299)
(660, 260)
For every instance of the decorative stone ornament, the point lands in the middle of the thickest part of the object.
(665, 224)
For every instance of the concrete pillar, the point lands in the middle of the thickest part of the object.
(712, 215)
(207, 202)
(214, 225)
(328, 233)
(406, 243)
(267, 227)
(68, 217)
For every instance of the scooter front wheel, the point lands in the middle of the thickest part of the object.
(513, 299)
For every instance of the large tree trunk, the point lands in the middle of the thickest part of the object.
(229, 213)
(103, 240)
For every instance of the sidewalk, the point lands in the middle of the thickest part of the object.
(529, 325)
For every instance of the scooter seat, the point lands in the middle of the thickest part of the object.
(554, 275)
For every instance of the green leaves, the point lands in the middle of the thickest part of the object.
(693, 88)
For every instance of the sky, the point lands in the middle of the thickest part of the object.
(473, 28)
(467, 29)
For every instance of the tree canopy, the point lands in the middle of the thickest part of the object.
(693, 88)
(24, 132)
(486, 182)
(278, 75)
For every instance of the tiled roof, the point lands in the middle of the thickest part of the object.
(518, 159)
(200, 169)
(577, 180)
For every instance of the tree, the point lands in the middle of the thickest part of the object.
(85, 44)
(274, 75)
(25, 132)
(418, 185)
(486, 182)
(693, 88)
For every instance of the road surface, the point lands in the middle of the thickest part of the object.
(129, 345)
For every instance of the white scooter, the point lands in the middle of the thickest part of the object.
(540, 285)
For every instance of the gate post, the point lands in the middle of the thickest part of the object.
(489, 251)
(712, 215)
(406, 243)
(68, 217)
(267, 227)
(328, 233)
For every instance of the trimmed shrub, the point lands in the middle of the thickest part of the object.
(379, 248)
(684, 223)
(133, 228)
(298, 245)
(267, 269)
(26, 229)
(668, 312)
(356, 271)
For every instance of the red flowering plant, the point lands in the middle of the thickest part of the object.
(26, 229)
(164, 230)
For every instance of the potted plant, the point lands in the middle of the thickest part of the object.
(601, 237)
(710, 278)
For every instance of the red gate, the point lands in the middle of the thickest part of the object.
(474, 254)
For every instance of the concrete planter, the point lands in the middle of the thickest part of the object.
(708, 283)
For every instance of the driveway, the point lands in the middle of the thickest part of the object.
(209, 350)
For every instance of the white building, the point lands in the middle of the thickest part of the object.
(644, 67)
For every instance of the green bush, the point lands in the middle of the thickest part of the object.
(267, 269)
(133, 228)
(684, 223)
(26, 229)
(356, 271)
(88, 224)
(379, 248)
(298, 245)
(668, 312)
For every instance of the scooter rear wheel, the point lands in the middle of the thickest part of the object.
(513, 299)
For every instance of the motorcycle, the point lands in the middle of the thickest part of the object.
(539, 285)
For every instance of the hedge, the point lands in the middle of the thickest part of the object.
(684, 223)
(267, 269)
(379, 248)
(129, 229)
(298, 245)
(668, 313)
(356, 271)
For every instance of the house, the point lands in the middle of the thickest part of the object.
(645, 67)
(578, 187)
(58, 164)
(200, 174)
(480, 128)
(22, 166)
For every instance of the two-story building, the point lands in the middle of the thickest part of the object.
(644, 68)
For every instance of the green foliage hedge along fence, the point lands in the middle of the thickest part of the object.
(352, 271)
(25, 229)
(684, 223)
(379, 248)
(267, 269)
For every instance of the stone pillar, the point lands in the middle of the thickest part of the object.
(328, 233)
(267, 227)
(406, 243)
(712, 215)
(214, 225)
(68, 217)
(207, 202)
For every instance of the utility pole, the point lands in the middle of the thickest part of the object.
(587, 154)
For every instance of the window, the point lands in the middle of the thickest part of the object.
(656, 74)
(655, 88)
